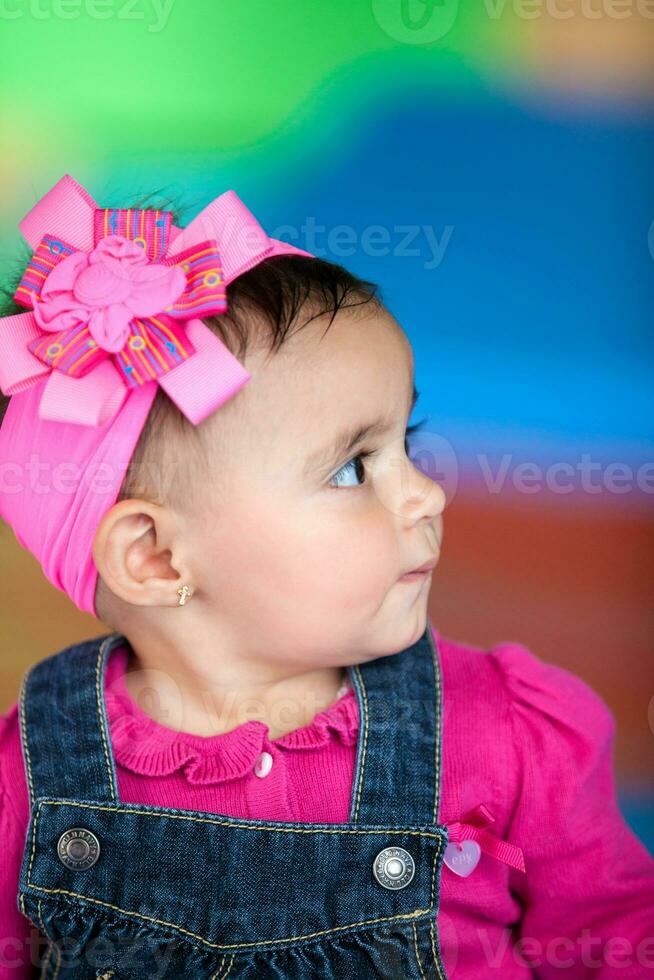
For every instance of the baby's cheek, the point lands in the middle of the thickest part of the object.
(231, 544)
(350, 563)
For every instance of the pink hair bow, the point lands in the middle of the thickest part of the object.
(115, 298)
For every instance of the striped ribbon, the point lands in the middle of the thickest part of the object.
(149, 229)
(155, 344)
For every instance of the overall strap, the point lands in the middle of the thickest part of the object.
(63, 724)
(398, 767)
(67, 749)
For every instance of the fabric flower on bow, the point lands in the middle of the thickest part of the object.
(115, 299)
(104, 291)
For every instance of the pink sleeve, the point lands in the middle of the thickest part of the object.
(588, 890)
(15, 929)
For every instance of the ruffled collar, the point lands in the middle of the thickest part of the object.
(148, 748)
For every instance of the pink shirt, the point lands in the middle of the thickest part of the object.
(529, 740)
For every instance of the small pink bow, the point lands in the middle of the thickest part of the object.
(115, 299)
(463, 859)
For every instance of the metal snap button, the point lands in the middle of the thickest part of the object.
(263, 764)
(394, 868)
(78, 849)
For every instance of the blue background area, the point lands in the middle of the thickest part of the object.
(538, 319)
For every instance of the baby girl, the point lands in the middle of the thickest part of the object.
(273, 765)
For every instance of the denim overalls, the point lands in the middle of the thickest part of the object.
(125, 890)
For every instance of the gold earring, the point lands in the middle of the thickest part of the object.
(184, 592)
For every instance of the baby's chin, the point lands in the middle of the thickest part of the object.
(416, 626)
(404, 629)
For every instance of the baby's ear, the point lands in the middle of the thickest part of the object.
(133, 553)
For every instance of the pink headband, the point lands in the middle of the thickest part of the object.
(114, 298)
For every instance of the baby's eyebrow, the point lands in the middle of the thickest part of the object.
(349, 439)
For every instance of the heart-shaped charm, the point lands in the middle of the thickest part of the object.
(463, 859)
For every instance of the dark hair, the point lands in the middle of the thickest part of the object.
(269, 298)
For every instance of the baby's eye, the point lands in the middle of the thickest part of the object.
(354, 467)
(349, 471)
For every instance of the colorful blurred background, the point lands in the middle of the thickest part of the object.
(490, 165)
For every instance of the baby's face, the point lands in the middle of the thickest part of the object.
(300, 548)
